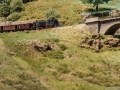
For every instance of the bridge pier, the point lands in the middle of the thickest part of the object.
(93, 24)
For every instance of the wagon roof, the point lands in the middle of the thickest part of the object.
(16, 23)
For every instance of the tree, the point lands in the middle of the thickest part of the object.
(95, 3)
(7, 2)
(1, 1)
(25, 1)
(52, 14)
(16, 6)
(4, 10)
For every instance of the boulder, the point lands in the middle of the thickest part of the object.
(85, 15)
(43, 47)
(96, 43)
(114, 13)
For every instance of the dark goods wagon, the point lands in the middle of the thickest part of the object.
(1, 29)
(27, 25)
(9, 28)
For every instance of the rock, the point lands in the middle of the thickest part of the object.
(38, 46)
(43, 47)
(114, 13)
(11, 53)
(114, 43)
(96, 43)
(85, 15)
(90, 42)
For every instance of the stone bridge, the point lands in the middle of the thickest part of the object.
(105, 26)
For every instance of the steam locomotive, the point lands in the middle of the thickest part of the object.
(28, 25)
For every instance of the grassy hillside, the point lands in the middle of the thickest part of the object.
(67, 68)
(69, 10)
(15, 73)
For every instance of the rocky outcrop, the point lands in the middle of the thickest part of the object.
(85, 15)
(114, 13)
(41, 46)
(96, 42)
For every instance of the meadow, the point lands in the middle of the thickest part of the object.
(67, 68)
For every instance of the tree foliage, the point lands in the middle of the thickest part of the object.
(95, 3)
(4, 10)
(10, 6)
(16, 5)
(1, 1)
(52, 14)
(25, 1)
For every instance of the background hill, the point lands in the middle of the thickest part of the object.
(69, 10)
(65, 10)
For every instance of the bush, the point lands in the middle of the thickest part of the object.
(53, 40)
(10, 6)
(25, 1)
(16, 6)
(52, 14)
(4, 10)
(54, 54)
(102, 36)
(62, 46)
(14, 16)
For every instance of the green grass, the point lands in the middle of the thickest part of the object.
(112, 4)
(16, 74)
(68, 68)
(69, 10)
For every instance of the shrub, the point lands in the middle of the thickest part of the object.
(52, 14)
(54, 54)
(4, 10)
(56, 40)
(64, 68)
(62, 46)
(25, 1)
(102, 36)
(53, 40)
(16, 6)
(14, 16)
(77, 11)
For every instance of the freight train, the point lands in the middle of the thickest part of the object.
(28, 25)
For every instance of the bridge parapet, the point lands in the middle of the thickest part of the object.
(109, 20)
(92, 20)
(104, 26)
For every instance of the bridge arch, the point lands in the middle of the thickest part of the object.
(112, 29)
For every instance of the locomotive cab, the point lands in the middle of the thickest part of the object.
(52, 22)
(47, 23)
